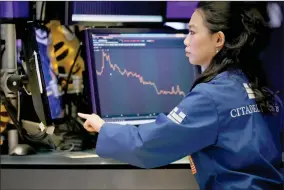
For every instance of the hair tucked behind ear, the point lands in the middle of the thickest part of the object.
(246, 31)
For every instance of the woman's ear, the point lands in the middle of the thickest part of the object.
(219, 39)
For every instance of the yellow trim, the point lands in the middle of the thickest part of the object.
(192, 166)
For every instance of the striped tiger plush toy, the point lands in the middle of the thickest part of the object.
(63, 48)
(4, 120)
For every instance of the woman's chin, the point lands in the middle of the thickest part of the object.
(192, 62)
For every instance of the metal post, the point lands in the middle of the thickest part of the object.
(9, 59)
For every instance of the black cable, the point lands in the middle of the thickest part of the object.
(1, 41)
(70, 72)
(68, 102)
(41, 10)
(13, 115)
(4, 48)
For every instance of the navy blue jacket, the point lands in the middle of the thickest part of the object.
(230, 143)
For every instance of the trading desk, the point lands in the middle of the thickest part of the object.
(85, 170)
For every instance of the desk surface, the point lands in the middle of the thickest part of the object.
(66, 160)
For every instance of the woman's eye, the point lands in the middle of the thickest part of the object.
(191, 32)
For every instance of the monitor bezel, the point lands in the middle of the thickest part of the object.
(19, 20)
(90, 58)
(69, 13)
(30, 45)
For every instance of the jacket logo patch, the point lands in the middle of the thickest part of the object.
(250, 93)
(176, 115)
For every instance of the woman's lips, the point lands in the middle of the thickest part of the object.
(187, 52)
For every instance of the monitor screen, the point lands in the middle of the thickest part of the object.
(137, 75)
(53, 92)
(14, 9)
(117, 11)
(180, 9)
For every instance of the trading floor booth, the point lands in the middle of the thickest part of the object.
(126, 81)
(129, 76)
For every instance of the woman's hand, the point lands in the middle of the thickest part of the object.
(93, 122)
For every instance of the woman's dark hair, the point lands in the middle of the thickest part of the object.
(245, 26)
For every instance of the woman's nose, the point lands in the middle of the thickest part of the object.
(186, 41)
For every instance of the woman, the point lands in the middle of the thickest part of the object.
(229, 122)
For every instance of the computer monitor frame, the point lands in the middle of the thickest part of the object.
(108, 21)
(92, 82)
(36, 81)
(17, 19)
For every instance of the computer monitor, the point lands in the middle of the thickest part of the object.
(42, 80)
(135, 74)
(180, 10)
(117, 11)
(11, 11)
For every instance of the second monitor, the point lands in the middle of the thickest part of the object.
(136, 74)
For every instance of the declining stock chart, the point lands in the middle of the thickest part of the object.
(141, 76)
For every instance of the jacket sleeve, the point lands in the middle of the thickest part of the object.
(191, 126)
